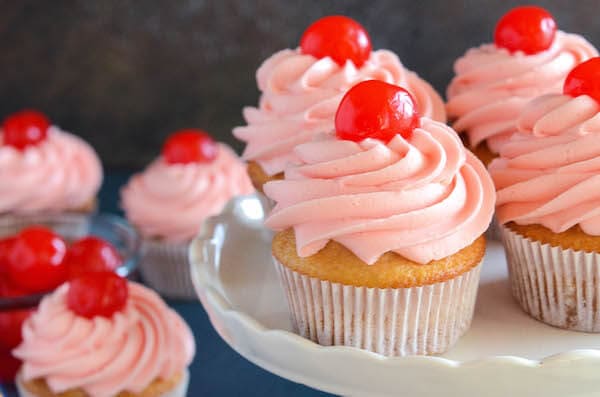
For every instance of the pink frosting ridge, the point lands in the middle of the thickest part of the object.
(170, 201)
(105, 356)
(425, 198)
(61, 173)
(549, 173)
(492, 86)
(300, 95)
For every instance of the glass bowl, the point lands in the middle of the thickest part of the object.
(73, 226)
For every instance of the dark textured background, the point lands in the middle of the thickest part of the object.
(123, 74)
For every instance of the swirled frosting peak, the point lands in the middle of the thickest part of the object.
(492, 86)
(60, 173)
(424, 198)
(105, 356)
(301, 93)
(549, 173)
(170, 201)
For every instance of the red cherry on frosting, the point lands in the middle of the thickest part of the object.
(35, 260)
(91, 254)
(338, 37)
(9, 366)
(11, 323)
(5, 246)
(530, 29)
(584, 79)
(24, 128)
(97, 294)
(189, 146)
(374, 109)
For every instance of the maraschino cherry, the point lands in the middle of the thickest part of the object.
(338, 37)
(374, 109)
(25, 128)
(90, 255)
(97, 294)
(189, 146)
(584, 79)
(35, 261)
(530, 29)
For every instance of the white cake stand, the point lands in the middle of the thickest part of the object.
(505, 353)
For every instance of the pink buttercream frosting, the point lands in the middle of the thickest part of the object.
(300, 95)
(170, 201)
(425, 198)
(492, 86)
(61, 173)
(549, 173)
(105, 356)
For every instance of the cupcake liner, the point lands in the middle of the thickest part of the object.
(74, 226)
(420, 320)
(179, 391)
(165, 267)
(560, 287)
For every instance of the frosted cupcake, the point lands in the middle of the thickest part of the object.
(547, 178)
(168, 202)
(44, 169)
(301, 89)
(101, 336)
(380, 228)
(493, 82)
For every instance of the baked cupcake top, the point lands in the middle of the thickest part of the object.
(548, 173)
(301, 89)
(43, 168)
(383, 183)
(122, 341)
(493, 82)
(192, 180)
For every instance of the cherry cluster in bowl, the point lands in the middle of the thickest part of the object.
(36, 261)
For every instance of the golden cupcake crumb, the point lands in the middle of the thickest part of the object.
(259, 177)
(573, 238)
(338, 264)
(157, 388)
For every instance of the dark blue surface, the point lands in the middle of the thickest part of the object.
(217, 370)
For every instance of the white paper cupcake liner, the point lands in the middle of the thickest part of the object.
(165, 267)
(179, 391)
(394, 322)
(75, 225)
(557, 286)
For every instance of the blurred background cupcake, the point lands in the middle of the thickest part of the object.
(548, 186)
(100, 335)
(168, 202)
(44, 169)
(493, 82)
(377, 220)
(302, 87)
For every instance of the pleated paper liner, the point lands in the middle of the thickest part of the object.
(394, 322)
(165, 267)
(560, 287)
(179, 391)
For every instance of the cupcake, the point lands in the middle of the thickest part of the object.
(101, 336)
(380, 228)
(493, 82)
(548, 203)
(301, 89)
(168, 202)
(44, 169)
